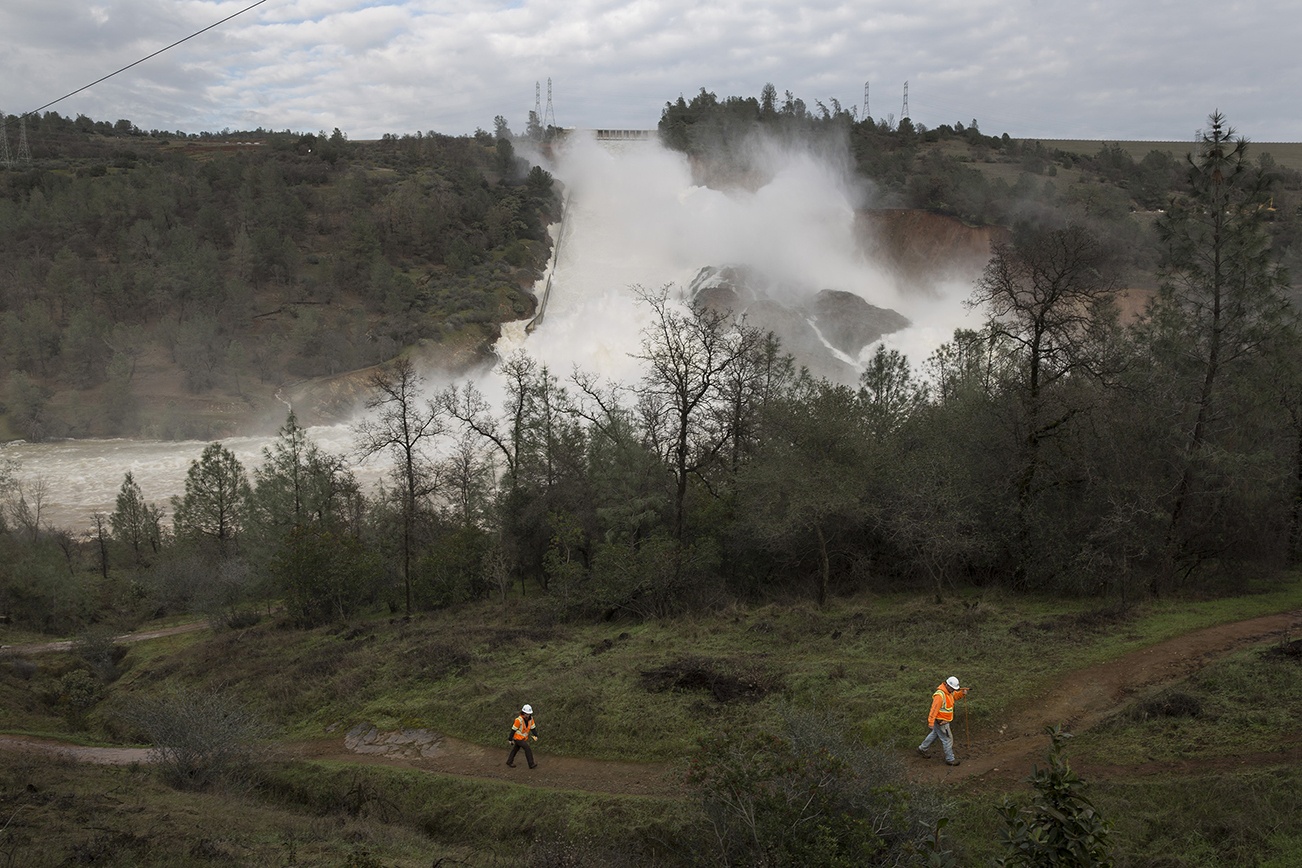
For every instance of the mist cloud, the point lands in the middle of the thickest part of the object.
(636, 217)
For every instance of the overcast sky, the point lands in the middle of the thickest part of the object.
(1111, 69)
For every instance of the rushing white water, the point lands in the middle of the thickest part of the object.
(634, 217)
(72, 480)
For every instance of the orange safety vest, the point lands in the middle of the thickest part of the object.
(522, 727)
(942, 705)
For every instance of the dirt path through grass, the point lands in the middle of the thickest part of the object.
(450, 756)
(1006, 750)
(124, 639)
(1012, 747)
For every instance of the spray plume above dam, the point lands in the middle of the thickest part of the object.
(636, 217)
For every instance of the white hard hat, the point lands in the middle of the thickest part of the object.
(528, 709)
(952, 681)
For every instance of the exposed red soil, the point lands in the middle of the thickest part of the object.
(1008, 752)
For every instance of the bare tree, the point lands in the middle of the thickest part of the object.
(684, 396)
(26, 505)
(404, 426)
(1050, 302)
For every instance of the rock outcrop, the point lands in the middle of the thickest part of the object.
(825, 331)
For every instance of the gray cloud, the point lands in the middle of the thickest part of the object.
(1107, 69)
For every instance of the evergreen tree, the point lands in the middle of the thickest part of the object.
(215, 505)
(136, 524)
(1222, 303)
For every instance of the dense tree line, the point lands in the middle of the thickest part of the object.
(234, 264)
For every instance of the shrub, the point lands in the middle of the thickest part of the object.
(78, 692)
(200, 737)
(1170, 704)
(1060, 826)
(803, 793)
(97, 648)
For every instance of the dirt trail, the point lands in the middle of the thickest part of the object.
(1080, 702)
(450, 756)
(124, 639)
(1089, 695)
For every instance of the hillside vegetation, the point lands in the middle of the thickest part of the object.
(724, 562)
(169, 288)
(854, 675)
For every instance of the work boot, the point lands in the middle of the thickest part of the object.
(534, 766)
(952, 762)
(510, 765)
(922, 753)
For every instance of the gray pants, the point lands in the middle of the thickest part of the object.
(940, 730)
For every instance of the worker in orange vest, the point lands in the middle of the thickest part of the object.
(942, 712)
(521, 734)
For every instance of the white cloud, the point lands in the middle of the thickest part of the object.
(1106, 69)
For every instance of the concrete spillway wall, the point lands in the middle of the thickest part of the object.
(551, 268)
(626, 134)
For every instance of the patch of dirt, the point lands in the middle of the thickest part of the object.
(1009, 752)
(692, 674)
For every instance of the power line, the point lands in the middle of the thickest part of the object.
(143, 59)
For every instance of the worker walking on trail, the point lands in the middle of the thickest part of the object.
(521, 735)
(942, 712)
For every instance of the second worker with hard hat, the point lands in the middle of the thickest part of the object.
(942, 713)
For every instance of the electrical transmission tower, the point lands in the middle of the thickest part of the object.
(865, 101)
(537, 102)
(904, 112)
(549, 120)
(24, 153)
(5, 160)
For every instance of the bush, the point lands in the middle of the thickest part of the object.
(803, 793)
(102, 655)
(79, 691)
(200, 737)
(1060, 826)
(1170, 704)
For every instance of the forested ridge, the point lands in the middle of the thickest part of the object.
(166, 285)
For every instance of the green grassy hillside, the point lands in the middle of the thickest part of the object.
(647, 692)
